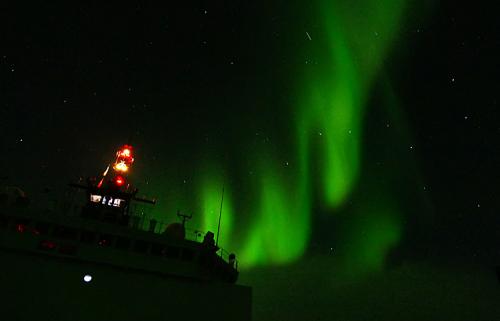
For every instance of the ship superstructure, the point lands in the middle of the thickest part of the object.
(46, 254)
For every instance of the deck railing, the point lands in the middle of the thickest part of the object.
(158, 227)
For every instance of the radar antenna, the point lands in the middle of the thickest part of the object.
(184, 217)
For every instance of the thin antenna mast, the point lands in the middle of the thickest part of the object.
(220, 216)
(184, 217)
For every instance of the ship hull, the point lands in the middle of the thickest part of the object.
(40, 287)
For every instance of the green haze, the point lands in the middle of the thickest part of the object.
(346, 46)
(280, 228)
(211, 197)
(356, 39)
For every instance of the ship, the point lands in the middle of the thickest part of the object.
(104, 260)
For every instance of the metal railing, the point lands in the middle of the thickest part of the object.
(224, 255)
(159, 227)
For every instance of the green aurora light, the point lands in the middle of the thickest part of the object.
(283, 207)
(333, 109)
(357, 40)
(211, 196)
(351, 42)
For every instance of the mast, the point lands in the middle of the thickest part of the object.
(220, 216)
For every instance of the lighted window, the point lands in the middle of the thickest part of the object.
(95, 198)
(107, 200)
(117, 202)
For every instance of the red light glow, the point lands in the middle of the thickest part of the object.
(125, 153)
(120, 167)
(124, 159)
(119, 181)
(47, 245)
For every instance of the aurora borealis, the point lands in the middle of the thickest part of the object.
(326, 119)
(360, 136)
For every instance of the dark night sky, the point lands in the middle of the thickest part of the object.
(451, 89)
(178, 81)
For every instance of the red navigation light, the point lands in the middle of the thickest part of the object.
(119, 181)
(125, 153)
(124, 159)
(20, 228)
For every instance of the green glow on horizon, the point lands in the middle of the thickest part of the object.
(369, 237)
(280, 231)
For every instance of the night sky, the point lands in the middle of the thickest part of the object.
(356, 141)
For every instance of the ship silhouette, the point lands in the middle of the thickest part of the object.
(105, 260)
